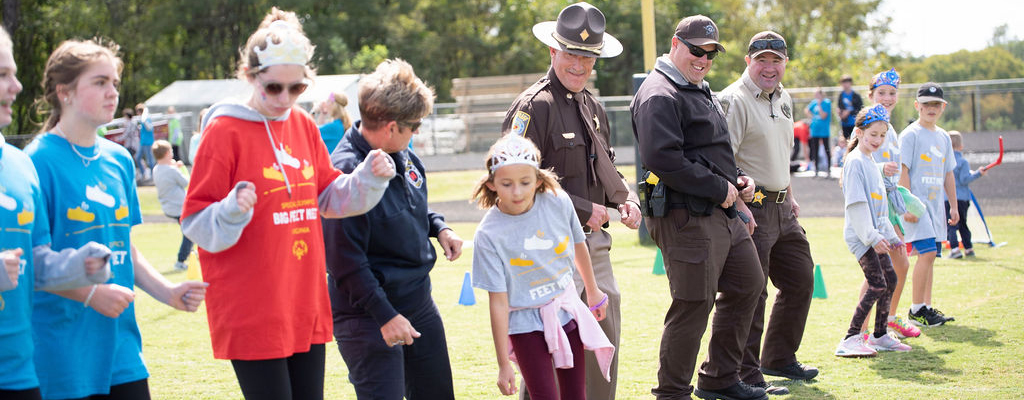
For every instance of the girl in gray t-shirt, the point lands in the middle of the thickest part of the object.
(869, 235)
(524, 253)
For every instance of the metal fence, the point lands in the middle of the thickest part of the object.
(984, 105)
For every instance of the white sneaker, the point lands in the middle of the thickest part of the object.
(887, 342)
(854, 346)
(180, 266)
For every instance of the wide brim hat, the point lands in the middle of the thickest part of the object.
(579, 30)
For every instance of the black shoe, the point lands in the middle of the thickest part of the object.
(794, 371)
(738, 391)
(926, 316)
(941, 315)
(772, 389)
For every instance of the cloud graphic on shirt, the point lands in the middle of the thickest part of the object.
(536, 243)
(935, 151)
(8, 202)
(98, 195)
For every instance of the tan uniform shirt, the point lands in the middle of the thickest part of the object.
(761, 131)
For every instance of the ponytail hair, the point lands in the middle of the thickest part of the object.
(338, 103)
(65, 65)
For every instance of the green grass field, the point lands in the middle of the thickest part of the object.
(976, 357)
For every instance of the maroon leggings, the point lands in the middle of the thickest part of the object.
(538, 371)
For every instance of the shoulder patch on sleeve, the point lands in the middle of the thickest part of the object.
(520, 122)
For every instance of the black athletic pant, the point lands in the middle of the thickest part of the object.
(137, 390)
(814, 143)
(298, 377)
(26, 394)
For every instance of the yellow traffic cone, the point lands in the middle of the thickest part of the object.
(194, 273)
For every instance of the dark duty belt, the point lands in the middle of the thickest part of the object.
(762, 196)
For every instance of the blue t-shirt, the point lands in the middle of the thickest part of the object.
(819, 124)
(530, 256)
(83, 352)
(146, 132)
(846, 103)
(331, 133)
(25, 226)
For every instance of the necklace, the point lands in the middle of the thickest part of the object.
(85, 160)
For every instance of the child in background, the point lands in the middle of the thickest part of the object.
(525, 249)
(869, 235)
(964, 176)
(927, 157)
(171, 183)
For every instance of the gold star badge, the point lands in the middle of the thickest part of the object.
(584, 34)
(758, 197)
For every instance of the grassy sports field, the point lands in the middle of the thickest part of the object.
(976, 357)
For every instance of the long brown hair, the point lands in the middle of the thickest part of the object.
(486, 198)
(65, 65)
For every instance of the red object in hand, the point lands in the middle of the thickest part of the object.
(1000, 159)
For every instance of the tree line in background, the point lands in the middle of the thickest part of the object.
(167, 40)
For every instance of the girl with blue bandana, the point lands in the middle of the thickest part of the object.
(87, 340)
(884, 91)
(869, 235)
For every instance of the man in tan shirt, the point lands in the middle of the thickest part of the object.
(760, 117)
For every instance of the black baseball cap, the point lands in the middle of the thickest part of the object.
(699, 30)
(930, 92)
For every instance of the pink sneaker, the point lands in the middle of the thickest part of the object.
(854, 346)
(887, 343)
(902, 329)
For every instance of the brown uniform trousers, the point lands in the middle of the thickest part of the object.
(785, 258)
(711, 262)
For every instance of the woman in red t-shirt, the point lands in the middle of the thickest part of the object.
(261, 181)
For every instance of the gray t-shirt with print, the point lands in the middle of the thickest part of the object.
(530, 256)
(928, 156)
(863, 183)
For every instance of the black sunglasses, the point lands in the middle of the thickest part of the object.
(413, 126)
(275, 88)
(761, 44)
(699, 52)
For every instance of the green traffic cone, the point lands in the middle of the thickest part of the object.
(659, 264)
(819, 284)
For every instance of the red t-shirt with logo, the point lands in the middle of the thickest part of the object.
(268, 293)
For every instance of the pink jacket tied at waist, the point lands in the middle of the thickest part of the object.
(591, 335)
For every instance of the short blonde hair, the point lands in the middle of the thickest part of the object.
(487, 198)
(957, 139)
(161, 148)
(393, 92)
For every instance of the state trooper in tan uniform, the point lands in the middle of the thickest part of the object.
(571, 129)
(759, 112)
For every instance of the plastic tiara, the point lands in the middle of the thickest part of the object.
(291, 50)
(514, 150)
(875, 114)
(890, 77)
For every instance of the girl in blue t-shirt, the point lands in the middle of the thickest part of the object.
(524, 252)
(869, 236)
(27, 261)
(88, 342)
